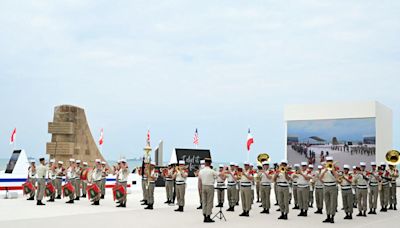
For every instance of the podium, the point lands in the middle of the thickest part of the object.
(220, 214)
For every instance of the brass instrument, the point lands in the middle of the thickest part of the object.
(392, 157)
(239, 173)
(282, 169)
(262, 157)
(330, 166)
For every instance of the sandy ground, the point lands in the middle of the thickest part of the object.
(22, 213)
(295, 157)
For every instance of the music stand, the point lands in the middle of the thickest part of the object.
(220, 214)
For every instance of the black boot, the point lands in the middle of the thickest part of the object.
(77, 198)
(209, 220)
(247, 213)
(319, 211)
(391, 207)
(365, 214)
(332, 221)
(370, 211)
(350, 216)
(264, 211)
(243, 213)
(58, 197)
(102, 196)
(200, 207)
(374, 211)
(394, 207)
(328, 219)
(31, 198)
(359, 214)
(282, 216)
(124, 205)
(230, 209)
(347, 216)
(180, 209)
(70, 201)
(285, 216)
(144, 202)
(83, 196)
(296, 207)
(301, 213)
(149, 207)
(50, 200)
(39, 202)
(305, 213)
(96, 203)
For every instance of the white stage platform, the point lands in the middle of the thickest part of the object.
(23, 213)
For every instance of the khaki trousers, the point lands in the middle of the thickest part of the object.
(373, 197)
(41, 183)
(77, 187)
(295, 196)
(103, 186)
(330, 196)
(169, 189)
(238, 193)
(207, 196)
(123, 184)
(384, 195)
(258, 185)
(97, 198)
(265, 193)
(150, 193)
(393, 192)
(220, 196)
(53, 195)
(231, 191)
(303, 197)
(283, 199)
(72, 196)
(84, 187)
(58, 184)
(144, 190)
(246, 197)
(180, 194)
(362, 194)
(319, 197)
(347, 199)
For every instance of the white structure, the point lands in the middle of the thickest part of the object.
(371, 109)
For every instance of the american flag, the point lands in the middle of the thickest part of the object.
(196, 138)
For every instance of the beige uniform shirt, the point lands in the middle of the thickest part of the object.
(207, 176)
(41, 171)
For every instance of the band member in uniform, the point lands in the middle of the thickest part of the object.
(245, 189)
(354, 187)
(231, 189)
(169, 183)
(71, 176)
(196, 173)
(276, 186)
(221, 184)
(32, 178)
(329, 177)
(374, 180)
(294, 187)
(319, 191)
(345, 180)
(207, 178)
(41, 181)
(151, 185)
(312, 185)
(52, 178)
(84, 179)
(303, 185)
(97, 175)
(122, 177)
(180, 176)
(237, 186)
(78, 172)
(265, 176)
(258, 182)
(361, 180)
(144, 182)
(60, 173)
(394, 174)
(104, 178)
(385, 191)
(281, 179)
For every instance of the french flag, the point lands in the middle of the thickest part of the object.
(250, 140)
(13, 135)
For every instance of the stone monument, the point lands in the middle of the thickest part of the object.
(71, 136)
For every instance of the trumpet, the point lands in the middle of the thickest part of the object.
(282, 169)
(330, 166)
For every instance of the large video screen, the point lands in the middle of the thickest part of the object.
(348, 141)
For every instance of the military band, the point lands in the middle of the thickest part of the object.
(303, 182)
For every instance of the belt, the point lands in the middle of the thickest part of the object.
(319, 187)
(385, 183)
(373, 184)
(265, 184)
(179, 182)
(362, 186)
(231, 183)
(346, 187)
(245, 184)
(168, 179)
(330, 184)
(303, 186)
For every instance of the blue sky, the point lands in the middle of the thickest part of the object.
(173, 66)
(342, 129)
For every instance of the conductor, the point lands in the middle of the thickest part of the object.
(207, 178)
